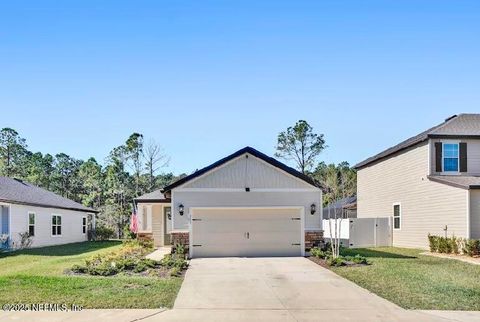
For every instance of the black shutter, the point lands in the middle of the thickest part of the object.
(438, 156)
(463, 157)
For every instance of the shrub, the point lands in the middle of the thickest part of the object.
(454, 241)
(317, 252)
(357, 259)
(104, 269)
(444, 245)
(79, 269)
(171, 261)
(472, 247)
(339, 261)
(180, 249)
(25, 240)
(175, 272)
(103, 233)
(433, 242)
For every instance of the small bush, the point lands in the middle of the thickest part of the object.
(339, 261)
(357, 259)
(317, 252)
(25, 240)
(79, 269)
(104, 269)
(103, 233)
(433, 243)
(454, 245)
(472, 247)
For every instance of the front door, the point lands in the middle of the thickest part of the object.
(167, 214)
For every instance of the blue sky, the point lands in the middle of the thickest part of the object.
(205, 78)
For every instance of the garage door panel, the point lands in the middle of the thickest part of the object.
(246, 232)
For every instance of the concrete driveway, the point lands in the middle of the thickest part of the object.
(277, 289)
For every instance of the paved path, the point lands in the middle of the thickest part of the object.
(260, 289)
(160, 253)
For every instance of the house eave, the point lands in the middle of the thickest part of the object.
(48, 206)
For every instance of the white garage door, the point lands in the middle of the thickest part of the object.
(246, 232)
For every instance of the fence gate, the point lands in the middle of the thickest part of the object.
(360, 232)
(370, 232)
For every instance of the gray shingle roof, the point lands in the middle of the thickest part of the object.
(21, 192)
(458, 125)
(340, 204)
(156, 195)
(464, 182)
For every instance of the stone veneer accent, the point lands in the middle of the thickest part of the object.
(179, 238)
(313, 239)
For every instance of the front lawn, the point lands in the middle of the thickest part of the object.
(37, 276)
(415, 281)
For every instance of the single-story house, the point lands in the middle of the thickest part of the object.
(343, 208)
(428, 184)
(246, 204)
(48, 218)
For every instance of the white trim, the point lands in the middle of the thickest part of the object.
(235, 159)
(429, 166)
(302, 222)
(34, 222)
(457, 142)
(61, 226)
(468, 214)
(400, 216)
(243, 190)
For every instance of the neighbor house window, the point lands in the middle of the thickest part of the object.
(450, 157)
(84, 225)
(56, 225)
(397, 213)
(31, 224)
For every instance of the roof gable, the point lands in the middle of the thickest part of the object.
(463, 125)
(246, 167)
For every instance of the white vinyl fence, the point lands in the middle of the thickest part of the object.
(360, 232)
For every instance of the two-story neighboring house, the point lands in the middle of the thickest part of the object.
(429, 183)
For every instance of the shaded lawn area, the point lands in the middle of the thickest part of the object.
(37, 276)
(415, 281)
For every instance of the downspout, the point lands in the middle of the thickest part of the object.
(468, 214)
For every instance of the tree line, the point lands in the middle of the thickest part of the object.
(134, 168)
(129, 171)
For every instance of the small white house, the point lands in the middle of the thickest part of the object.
(48, 218)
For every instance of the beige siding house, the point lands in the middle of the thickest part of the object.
(247, 204)
(48, 218)
(428, 183)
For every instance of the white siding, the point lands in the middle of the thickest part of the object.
(426, 206)
(473, 156)
(475, 213)
(247, 172)
(71, 225)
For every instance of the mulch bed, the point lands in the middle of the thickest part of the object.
(322, 262)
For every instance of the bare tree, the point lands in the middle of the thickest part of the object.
(155, 159)
(337, 185)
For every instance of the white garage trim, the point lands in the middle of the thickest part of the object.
(243, 190)
(300, 209)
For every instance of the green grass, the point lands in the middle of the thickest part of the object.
(37, 276)
(415, 281)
